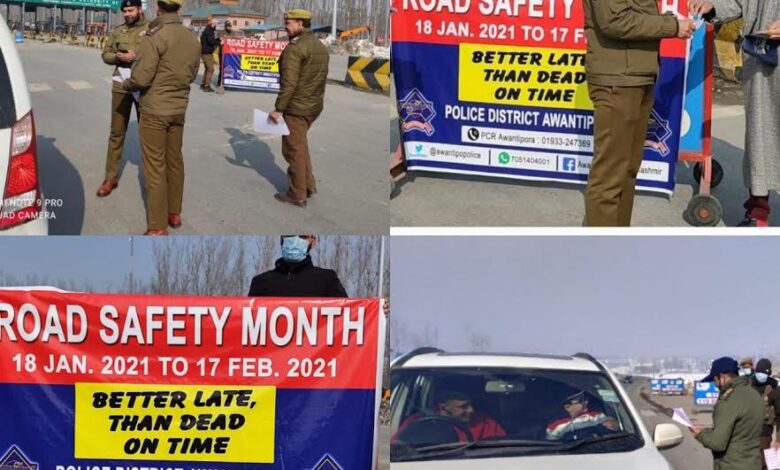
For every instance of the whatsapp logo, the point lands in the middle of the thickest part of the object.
(503, 158)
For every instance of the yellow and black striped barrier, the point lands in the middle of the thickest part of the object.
(369, 73)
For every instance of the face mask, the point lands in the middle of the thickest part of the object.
(294, 249)
(761, 377)
(745, 372)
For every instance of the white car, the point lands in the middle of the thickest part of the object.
(512, 412)
(22, 208)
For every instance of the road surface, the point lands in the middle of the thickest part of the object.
(231, 172)
(689, 455)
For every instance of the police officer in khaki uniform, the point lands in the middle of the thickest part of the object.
(168, 61)
(121, 51)
(228, 33)
(303, 68)
(737, 421)
(621, 66)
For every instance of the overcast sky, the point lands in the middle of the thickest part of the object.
(609, 296)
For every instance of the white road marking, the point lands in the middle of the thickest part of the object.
(79, 84)
(38, 87)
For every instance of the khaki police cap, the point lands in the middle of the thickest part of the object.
(297, 15)
(174, 2)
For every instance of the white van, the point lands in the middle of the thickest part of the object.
(22, 207)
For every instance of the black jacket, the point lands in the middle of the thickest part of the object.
(771, 402)
(208, 40)
(297, 280)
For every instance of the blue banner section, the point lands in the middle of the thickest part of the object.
(692, 129)
(239, 79)
(668, 386)
(442, 133)
(315, 430)
(705, 394)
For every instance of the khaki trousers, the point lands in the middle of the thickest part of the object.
(295, 148)
(121, 107)
(163, 167)
(208, 62)
(621, 117)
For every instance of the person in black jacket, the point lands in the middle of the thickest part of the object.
(295, 275)
(208, 42)
(767, 387)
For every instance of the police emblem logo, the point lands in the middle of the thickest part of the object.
(14, 459)
(658, 132)
(327, 463)
(417, 113)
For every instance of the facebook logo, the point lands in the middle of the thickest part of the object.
(569, 164)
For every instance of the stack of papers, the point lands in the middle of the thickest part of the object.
(772, 459)
(682, 418)
(265, 126)
(124, 74)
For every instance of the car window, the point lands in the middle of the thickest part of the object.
(465, 413)
(7, 105)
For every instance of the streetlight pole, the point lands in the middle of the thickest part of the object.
(130, 268)
(333, 28)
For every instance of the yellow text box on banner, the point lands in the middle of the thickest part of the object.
(523, 76)
(260, 63)
(181, 423)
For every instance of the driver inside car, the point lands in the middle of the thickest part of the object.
(458, 406)
(580, 420)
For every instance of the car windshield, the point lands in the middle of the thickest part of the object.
(7, 105)
(452, 413)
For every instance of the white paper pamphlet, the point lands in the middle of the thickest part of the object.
(265, 126)
(680, 417)
(772, 459)
(124, 74)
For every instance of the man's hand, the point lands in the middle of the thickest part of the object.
(386, 306)
(275, 117)
(773, 31)
(125, 57)
(702, 7)
(685, 28)
(611, 424)
(696, 430)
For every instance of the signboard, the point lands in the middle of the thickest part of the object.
(667, 386)
(251, 64)
(102, 4)
(118, 381)
(705, 394)
(498, 88)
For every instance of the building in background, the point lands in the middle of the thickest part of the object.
(222, 11)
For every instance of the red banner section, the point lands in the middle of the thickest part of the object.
(556, 23)
(253, 46)
(535, 23)
(57, 338)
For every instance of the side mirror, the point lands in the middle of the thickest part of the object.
(667, 436)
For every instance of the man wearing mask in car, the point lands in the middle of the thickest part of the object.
(580, 417)
(766, 386)
(295, 275)
(735, 435)
(458, 406)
